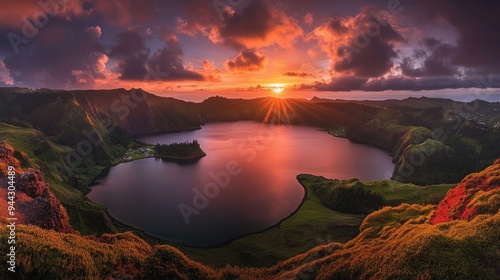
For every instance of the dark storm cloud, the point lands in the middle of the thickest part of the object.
(361, 46)
(136, 63)
(59, 56)
(477, 24)
(437, 60)
(132, 53)
(366, 52)
(251, 24)
(247, 61)
(346, 83)
(168, 63)
(259, 24)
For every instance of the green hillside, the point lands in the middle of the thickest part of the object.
(394, 243)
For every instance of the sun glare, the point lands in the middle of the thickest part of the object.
(277, 88)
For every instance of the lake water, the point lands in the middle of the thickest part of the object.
(246, 183)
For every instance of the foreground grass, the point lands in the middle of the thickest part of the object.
(394, 243)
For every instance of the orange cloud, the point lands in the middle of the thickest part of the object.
(309, 19)
(258, 24)
(211, 72)
(14, 13)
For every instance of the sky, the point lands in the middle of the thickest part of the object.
(251, 45)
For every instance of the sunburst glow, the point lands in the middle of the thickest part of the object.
(277, 88)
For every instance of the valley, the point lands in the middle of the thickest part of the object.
(53, 131)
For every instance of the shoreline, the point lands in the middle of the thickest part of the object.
(194, 160)
(221, 244)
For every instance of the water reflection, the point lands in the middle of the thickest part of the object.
(147, 193)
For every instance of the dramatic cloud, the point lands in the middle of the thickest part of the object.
(247, 61)
(361, 45)
(196, 16)
(253, 24)
(259, 24)
(298, 74)
(168, 66)
(437, 60)
(15, 13)
(131, 51)
(56, 54)
(135, 62)
(477, 23)
(211, 72)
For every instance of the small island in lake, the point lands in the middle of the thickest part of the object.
(185, 151)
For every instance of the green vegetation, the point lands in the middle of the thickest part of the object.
(396, 193)
(136, 151)
(351, 197)
(179, 151)
(394, 243)
(36, 150)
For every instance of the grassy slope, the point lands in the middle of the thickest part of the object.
(38, 151)
(394, 243)
(396, 193)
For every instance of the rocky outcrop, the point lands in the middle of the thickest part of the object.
(34, 204)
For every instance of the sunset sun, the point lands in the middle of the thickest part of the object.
(277, 88)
